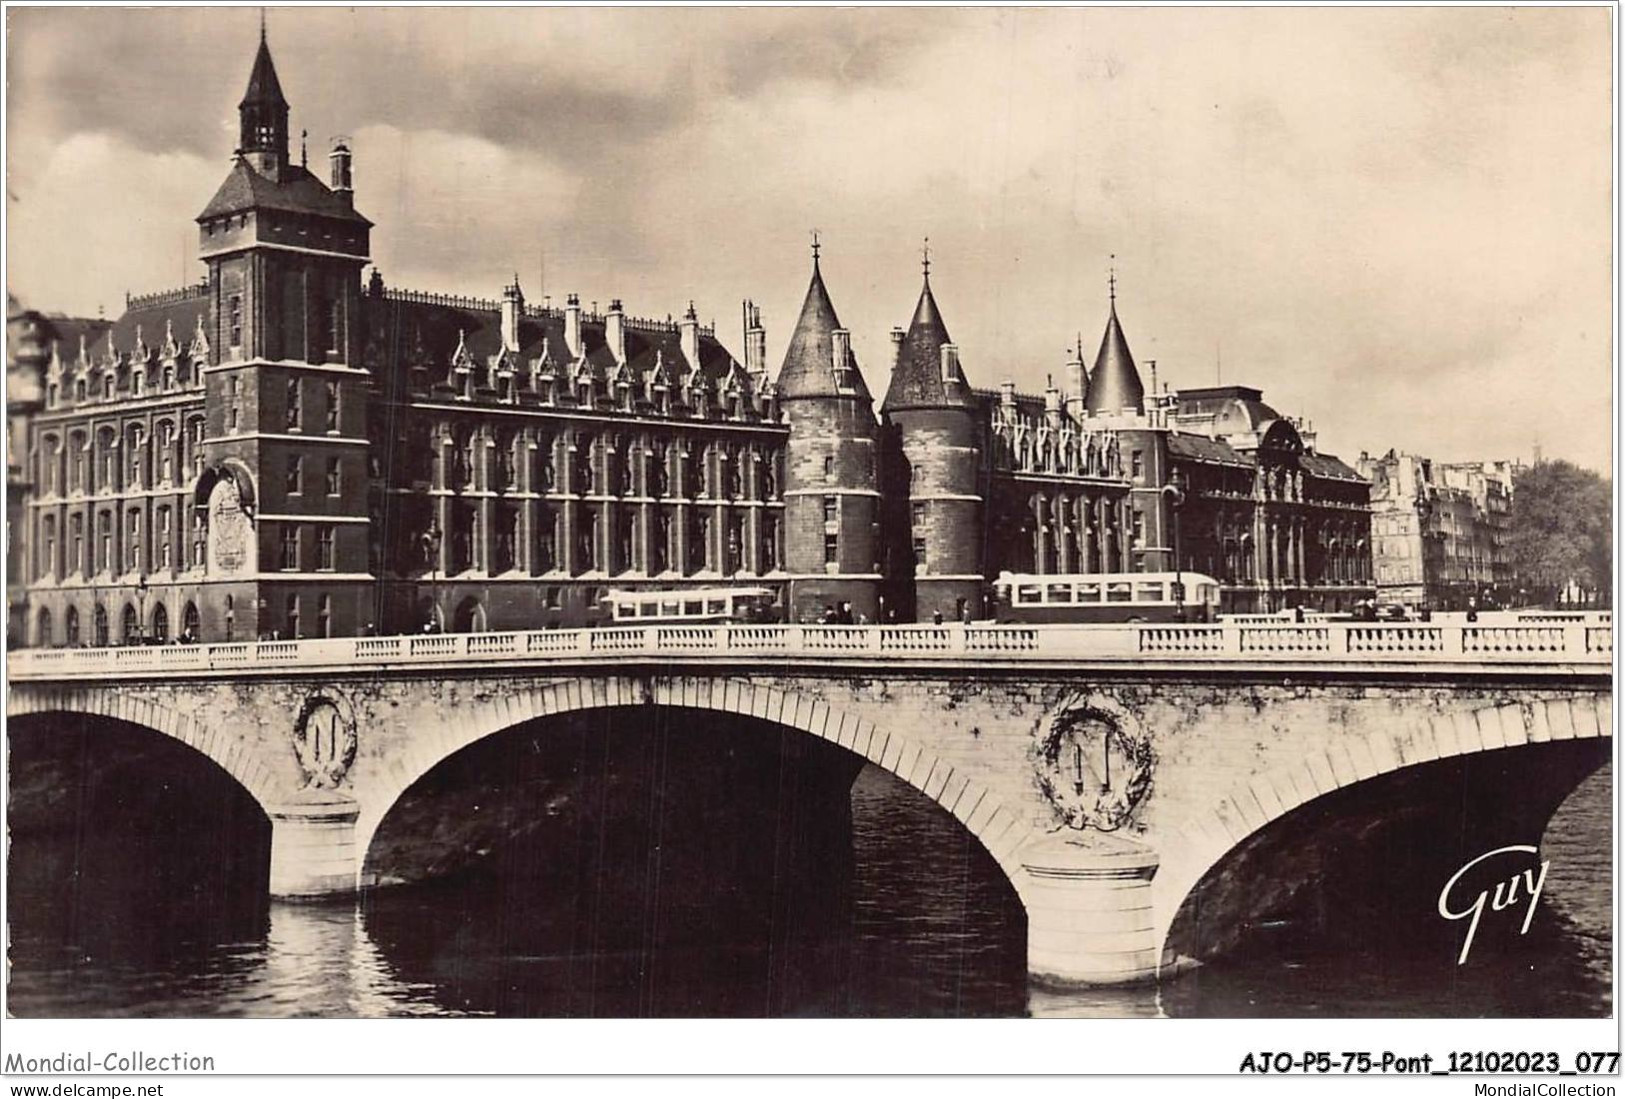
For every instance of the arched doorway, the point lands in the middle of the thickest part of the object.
(470, 617)
(131, 624)
(189, 622)
(99, 639)
(44, 633)
(160, 624)
(70, 622)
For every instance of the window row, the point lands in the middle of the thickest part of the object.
(155, 630)
(78, 461)
(596, 466)
(590, 539)
(108, 548)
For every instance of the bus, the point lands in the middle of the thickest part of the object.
(692, 605)
(1107, 597)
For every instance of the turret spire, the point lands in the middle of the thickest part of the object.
(263, 113)
(1114, 385)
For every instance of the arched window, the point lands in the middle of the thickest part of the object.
(44, 635)
(190, 627)
(70, 624)
(99, 634)
(131, 624)
(160, 623)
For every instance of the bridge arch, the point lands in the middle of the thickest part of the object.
(1198, 842)
(224, 751)
(998, 828)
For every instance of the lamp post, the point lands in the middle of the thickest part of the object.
(431, 547)
(1175, 491)
(141, 594)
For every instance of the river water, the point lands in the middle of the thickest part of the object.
(931, 931)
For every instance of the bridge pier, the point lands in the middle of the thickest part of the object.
(1089, 912)
(313, 848)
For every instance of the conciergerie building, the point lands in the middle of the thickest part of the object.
(294, 447)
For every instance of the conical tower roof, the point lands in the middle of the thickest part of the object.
(916, 380)
(809, 364)
(1114, 384)
(263, 86)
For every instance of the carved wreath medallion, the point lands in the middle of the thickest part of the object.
(1094, 765)
(324, 740)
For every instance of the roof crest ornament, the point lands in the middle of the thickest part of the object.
(815, 247)
(925, 258)
(1111, 281)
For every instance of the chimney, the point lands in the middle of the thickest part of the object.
(338, 161)
(572, 325)
(513, 307)
(1007, 400)
(689, 338)
(615, 330)
(897, 337)
(841, 354)
(1077, 382)
(755, 342)
(950, 364)
(1052, 403)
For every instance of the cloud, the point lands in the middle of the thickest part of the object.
(1394, 221)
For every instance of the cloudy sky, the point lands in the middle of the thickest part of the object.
(1394, 222)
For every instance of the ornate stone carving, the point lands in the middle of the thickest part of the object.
(324, 740)
(1095, 764)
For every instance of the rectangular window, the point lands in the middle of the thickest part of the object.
(831, 508)
(290, 546)
(918, 516)
(295, 405)
(832, 550)
(1029, 595)
(1139, 529)
(332, 476)
(1058, 593)
(164, 538)
(1119, 591)
(919, 551)
(324, 617)
(324, 547)
(76, 528)
(132, 548)
(296, 475)
(199, 539)
(332, 407)
(291, 632)
(829, 467)
(1137, 466)
(236, 320)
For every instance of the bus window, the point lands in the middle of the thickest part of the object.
(669, 608)
(626, 610)
(648, 610)
(1028, 595)
(716, 606)
(1088, 591)
(1119, 591)
(1058, 593)
(1148, 591)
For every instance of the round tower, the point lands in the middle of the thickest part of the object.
(831, 483)
(936, 465)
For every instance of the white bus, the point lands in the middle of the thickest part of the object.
(630, 608)
(1107, 597)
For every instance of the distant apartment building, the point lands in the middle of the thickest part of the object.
(1439, 530)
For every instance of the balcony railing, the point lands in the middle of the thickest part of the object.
(1579, 645)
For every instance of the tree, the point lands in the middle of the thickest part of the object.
(1560, 530)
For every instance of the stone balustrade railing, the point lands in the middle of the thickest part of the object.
(1553, 646)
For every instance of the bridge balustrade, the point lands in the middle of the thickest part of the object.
(1568, 643)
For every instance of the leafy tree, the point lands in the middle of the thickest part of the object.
(1560, 530)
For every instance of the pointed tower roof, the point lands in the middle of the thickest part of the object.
(263, 86)
(1114, 384)
(809, 364)
(916, 380)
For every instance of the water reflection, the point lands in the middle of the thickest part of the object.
(930, 930)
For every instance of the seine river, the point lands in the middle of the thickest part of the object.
(930, 932)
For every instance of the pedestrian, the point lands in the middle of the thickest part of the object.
(936, 617)
(1472, 609)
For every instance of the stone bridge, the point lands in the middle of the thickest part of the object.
(1116, 774)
